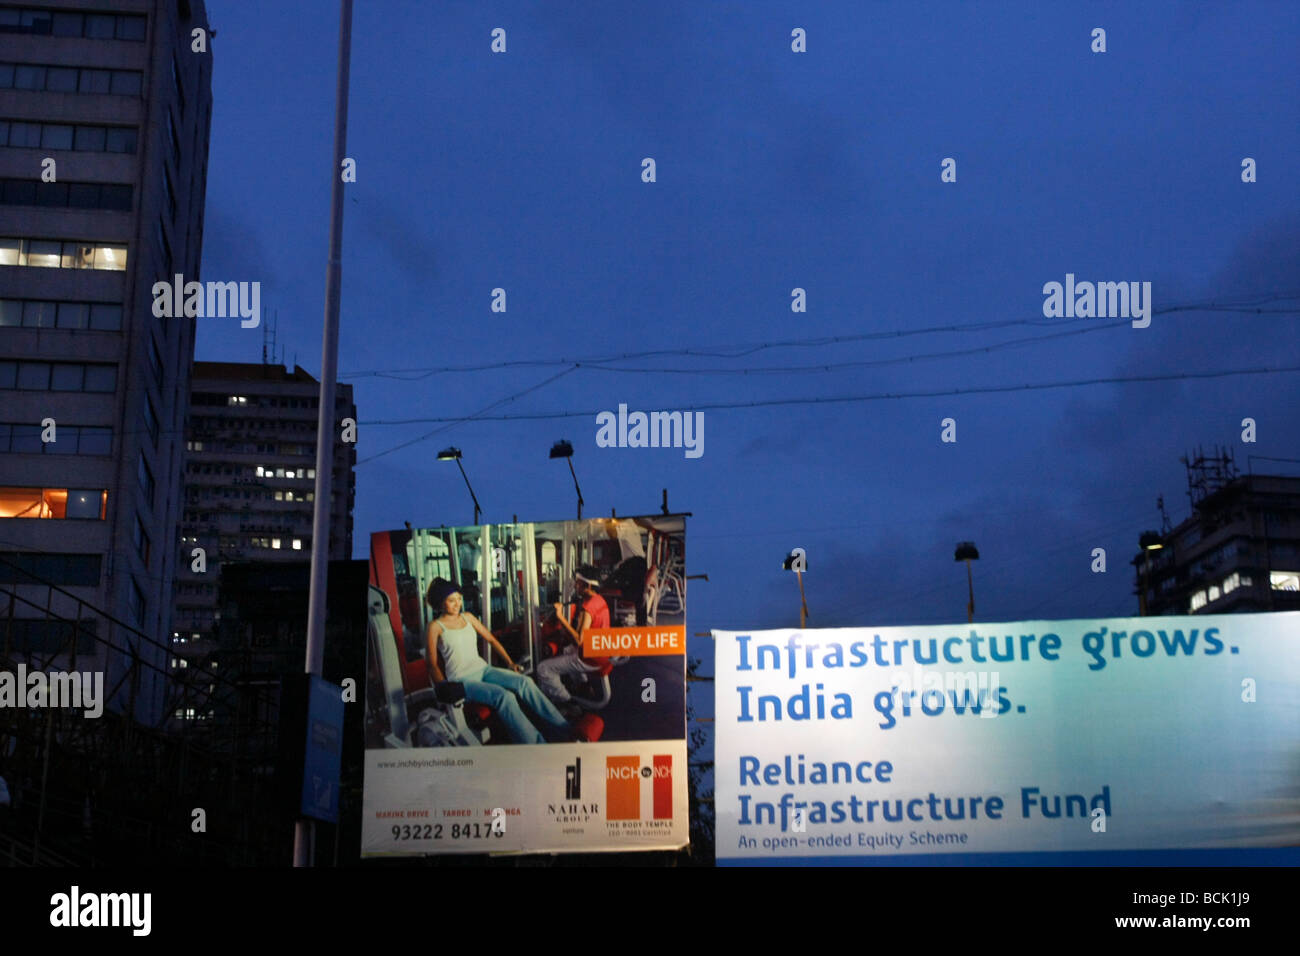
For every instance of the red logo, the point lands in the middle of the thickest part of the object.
(624, 778)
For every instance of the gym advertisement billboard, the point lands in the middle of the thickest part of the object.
(526, 688)
(1031, 742)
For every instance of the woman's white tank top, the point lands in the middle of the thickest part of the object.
(460, 657)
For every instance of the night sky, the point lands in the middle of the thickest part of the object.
(778, 170)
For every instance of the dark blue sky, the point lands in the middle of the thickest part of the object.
(776, 170)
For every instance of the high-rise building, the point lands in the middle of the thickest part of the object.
(105, 109)
(1238, 551)
(250, 477)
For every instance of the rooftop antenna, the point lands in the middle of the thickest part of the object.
(268, 338)
(1206, 474)
(1165, 525)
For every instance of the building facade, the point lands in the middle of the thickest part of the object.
(105, 109)
(250, 476)
(1239, 551)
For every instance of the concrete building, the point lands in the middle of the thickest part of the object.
(250, 476)
(1239, 550)
(105, 110)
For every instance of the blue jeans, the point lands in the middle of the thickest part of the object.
(502, 690)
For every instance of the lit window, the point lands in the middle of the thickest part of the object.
(1198, 600)
(311, 473)
(297, 544)
(275, 543)
(43, 255)
(1231, 583)
(259, 471)
(1284, 580)
(1214, 592)
(53, 503)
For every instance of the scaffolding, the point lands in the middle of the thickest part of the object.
(1207, 474)
(95, 791)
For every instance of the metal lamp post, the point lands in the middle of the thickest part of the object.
(453, 454)
(562, 449)
(798, 562)
(966, 551)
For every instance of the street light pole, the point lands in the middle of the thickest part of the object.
(477, 509)
(803, 603)
(562, 449)
(575, 485)
(304, 834)
(797, 561)
(970, 587)
(966, 551)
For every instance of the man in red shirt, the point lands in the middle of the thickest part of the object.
(589, 611)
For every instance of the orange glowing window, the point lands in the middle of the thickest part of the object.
(82, 503)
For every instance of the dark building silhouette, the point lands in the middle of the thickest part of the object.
(1239, 550)
(104, 117)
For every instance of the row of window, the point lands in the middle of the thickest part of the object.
(81, 138)
(70, 79)
(1278, 581)
(85, 503)
(28, 192)
(67, 570)
(252, 448)
(244, 401)
(60, 23)
(275, 544)
(31, 635)
(194, 494)
(69, 440)
(58, 376)
(189, 713)
(42, 314)
(1216, 591)
(216, 426)
(199, 468)
(179, 638)
(53, 254)
(270, 472)
(183, 587)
